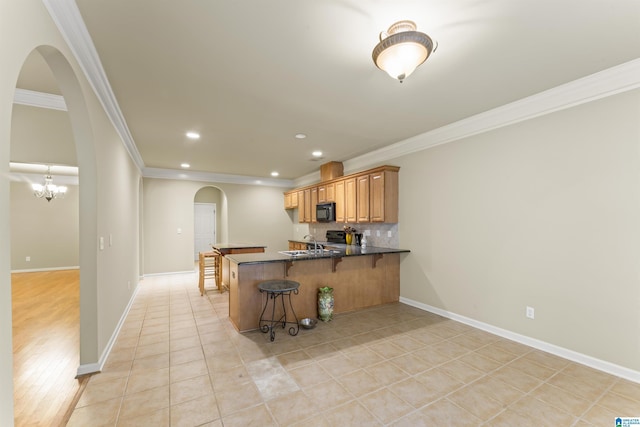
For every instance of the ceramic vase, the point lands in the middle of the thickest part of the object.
(325, 303)
(349, 238)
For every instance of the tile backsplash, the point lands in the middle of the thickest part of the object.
(379, 234)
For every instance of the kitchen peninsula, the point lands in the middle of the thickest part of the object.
(360, 277)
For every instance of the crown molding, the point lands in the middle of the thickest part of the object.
(67, 18)
(214, 177)
(32, 98)
(612, 81)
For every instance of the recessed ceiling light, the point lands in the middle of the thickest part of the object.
(193, 135)
(300, 136)
(185, 165)
(274, 173)
(316, 153)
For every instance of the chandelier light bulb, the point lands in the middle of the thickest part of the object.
(48, 190)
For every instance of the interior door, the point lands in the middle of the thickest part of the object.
(205, 227)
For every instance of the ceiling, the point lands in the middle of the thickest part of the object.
(248, 75)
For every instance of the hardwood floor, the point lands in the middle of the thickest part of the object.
(46, 334)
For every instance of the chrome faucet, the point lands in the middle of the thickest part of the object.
(315, 244)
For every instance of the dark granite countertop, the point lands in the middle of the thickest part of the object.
(221, 246)
(339, 251)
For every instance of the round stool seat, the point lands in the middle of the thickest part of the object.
(278, 286)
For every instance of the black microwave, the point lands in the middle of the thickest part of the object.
(326, 212)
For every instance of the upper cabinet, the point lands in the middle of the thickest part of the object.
(291, 199)
(368, 196)
(326, 193)
(362, 198)
(383, 196)
(340, 202)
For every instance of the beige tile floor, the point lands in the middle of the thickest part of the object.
(179, 362)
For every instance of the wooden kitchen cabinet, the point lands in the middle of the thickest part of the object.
(383, 196)
(291, 199)
(339, 199)
(297, 246)
(350, 200)
(300, 205)
(362, 198)
(368, 196)
(307, 205)
(326, 193)
(314, 202)
(322, 194)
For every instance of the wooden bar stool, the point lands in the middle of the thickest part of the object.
(207, 265)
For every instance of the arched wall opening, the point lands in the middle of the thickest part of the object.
(85, 159)
(211, 195)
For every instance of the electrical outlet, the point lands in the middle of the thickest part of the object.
(28, 259)
(378, 233)
(389, 233)
(530, 313)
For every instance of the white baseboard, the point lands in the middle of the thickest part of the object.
(592, 362)
(89, 368)
(35, 270)
(92, 368)
(169, 272)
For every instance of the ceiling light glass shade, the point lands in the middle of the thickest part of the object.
(49, 190)
(402, 49)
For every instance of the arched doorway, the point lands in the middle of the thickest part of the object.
(84, 157)
(206, 221)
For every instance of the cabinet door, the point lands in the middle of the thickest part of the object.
(330, 190)
(300, 206)
(294, 199)
(377, 197)
(339, 199)
(287, 200)
(307, 205)
(314, 202)
(384, 196)
(322, 194)
(362, 197)
(350, 202)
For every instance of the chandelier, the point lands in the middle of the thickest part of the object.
(402, 49)
(49, 190)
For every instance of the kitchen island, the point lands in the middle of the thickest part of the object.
(360, 278)
(222, 264)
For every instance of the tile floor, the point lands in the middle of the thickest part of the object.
(179, 362)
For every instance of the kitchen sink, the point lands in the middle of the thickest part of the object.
(294, 253)
(308, 252)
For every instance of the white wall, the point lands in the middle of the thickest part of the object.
(249, 214)
(46, 232)
(108, 201)
(544, 213)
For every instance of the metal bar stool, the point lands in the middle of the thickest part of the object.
(278, 289)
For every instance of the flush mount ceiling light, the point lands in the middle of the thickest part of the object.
(49, 190)
(193, 135)
(402, 49)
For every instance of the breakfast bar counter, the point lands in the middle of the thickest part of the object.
(360, 278)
